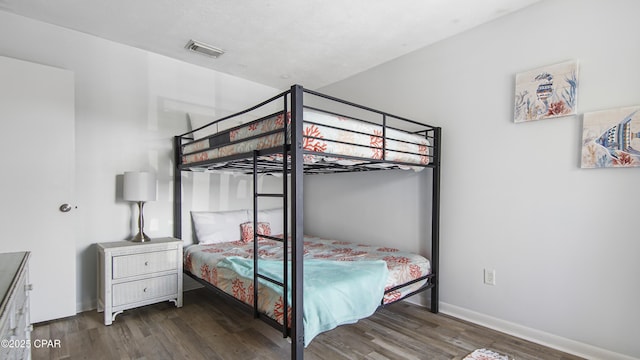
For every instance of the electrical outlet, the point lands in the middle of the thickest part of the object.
(489, 277)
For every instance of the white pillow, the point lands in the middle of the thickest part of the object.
(274, 217)
(218, 227)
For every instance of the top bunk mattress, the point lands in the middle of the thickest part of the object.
(326, 137)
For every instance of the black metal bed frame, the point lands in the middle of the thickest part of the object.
(293, 164)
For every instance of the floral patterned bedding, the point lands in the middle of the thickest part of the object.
(201, 260)
(323, 133)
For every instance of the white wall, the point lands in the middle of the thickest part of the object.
(563, 241)
(368, 208)
(129, 105)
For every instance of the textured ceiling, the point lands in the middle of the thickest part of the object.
(273, 42)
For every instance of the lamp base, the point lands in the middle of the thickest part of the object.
(141, 237)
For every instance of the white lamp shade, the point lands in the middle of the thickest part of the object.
(139, 186)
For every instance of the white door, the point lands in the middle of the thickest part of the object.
(37, 159)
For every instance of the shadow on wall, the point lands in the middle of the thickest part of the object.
(222, 192)
(386, 208)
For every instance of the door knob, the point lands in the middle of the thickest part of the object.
(65, 208)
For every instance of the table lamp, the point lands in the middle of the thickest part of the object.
(139, 187)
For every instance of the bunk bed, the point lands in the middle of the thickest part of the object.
(304, 132)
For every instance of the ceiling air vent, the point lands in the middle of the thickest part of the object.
(203, 48)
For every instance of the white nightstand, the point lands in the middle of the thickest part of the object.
(132, 274)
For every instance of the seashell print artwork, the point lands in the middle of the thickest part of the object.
(546, 92)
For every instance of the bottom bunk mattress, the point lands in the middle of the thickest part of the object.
(348, 280)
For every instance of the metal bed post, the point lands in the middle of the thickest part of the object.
(177, 189)
(435, 221)
(297, 231)
(255, 240)
(285, 216)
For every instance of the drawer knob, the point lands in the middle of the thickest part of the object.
(144, 290)
(146, 263)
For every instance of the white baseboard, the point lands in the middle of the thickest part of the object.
(540, 337)
(86, 305)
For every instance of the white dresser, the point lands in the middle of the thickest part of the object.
(132, 274)
(15, 324)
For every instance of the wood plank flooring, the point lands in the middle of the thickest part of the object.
(207, 327)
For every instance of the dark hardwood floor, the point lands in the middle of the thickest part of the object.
(207, 327)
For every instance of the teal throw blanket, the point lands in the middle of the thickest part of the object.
(335, 292)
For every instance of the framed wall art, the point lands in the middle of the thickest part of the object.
(611, 138)
(546, 92)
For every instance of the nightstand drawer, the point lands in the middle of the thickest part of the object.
(14, 307)
(145, 263)
(5, 330)
(21, 296)
(140, 290)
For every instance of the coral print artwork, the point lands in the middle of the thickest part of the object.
(546, 92)
(611, 138)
